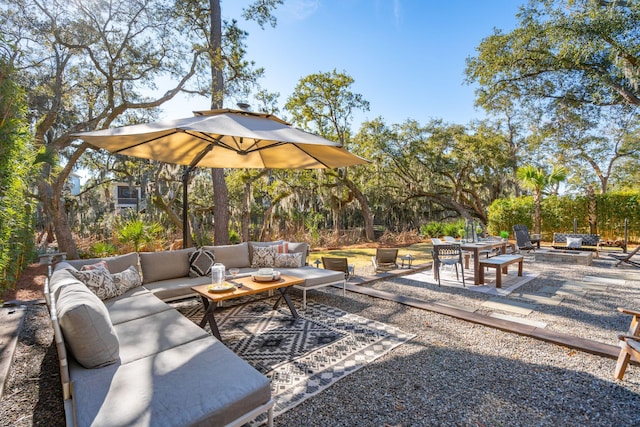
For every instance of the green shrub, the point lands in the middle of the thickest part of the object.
(16, 157)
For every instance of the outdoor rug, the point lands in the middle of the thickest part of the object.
(301, 357)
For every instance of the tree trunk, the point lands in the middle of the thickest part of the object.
(246, 211)
(364, 205)
(537, 217)
(54, 210)
(220, 191)
(220, 208)
(592, 213)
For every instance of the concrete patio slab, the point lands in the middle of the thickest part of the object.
(11, 320)
(509, 306)
(607, 280)
(540, 299)
(571, 290)
(456, 306)
(521, 320)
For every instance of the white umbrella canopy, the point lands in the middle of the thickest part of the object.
(224, 139)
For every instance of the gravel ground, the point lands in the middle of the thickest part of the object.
(452, 373)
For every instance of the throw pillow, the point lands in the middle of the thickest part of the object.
(283, 248)
(288, 260)
(264, 256)
(574, 242)
(98, 281)
(100, 264)
(127, 279)
(200, 263)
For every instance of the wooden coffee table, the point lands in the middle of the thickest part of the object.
(244, 286)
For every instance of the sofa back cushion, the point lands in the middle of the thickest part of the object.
(115, 264)
(86, 326)
(164, 265)
(232, 256)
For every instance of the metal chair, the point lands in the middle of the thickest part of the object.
(523, 241)
(339, 264)
(447, 255)
(385, 259)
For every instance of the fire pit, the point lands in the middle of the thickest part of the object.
(575, 257)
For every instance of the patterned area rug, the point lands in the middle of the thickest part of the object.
(301, 357)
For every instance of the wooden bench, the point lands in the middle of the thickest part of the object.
(500, 263)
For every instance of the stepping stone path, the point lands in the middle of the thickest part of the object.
(521, 320)
(540, 299)
(509, 306)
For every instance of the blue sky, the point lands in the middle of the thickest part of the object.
(407, 56)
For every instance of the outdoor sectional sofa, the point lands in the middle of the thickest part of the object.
(134, 360)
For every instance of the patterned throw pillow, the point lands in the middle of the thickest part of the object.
(264, 256)
(293, 260)
(100, 264)
(98, 281)
(200, 263)
(127, 279)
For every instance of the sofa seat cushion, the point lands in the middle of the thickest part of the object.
(155, 333)
(197, 383)
(232, 256)
(135, 304)
(115, 264)
(314, 277)
(179, 287)
(86, 326)
(164, 265)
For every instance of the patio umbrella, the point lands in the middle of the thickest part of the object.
(223, 139)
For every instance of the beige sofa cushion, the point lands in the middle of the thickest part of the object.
(115, 264)
(86, 326)
(231, 255)
(164, 265)
(201, 383)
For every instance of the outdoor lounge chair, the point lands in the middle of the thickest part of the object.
(630, 343)
(447, 255)
(523, 240)
(627, 258)
(339, 264)
(385, 259)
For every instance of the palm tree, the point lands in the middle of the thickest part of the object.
(538, 181)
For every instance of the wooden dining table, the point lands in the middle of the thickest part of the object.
(478, 247)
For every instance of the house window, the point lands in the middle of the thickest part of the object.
(127, 195)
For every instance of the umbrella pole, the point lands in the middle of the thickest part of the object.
(186, 235)
(186, 174)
